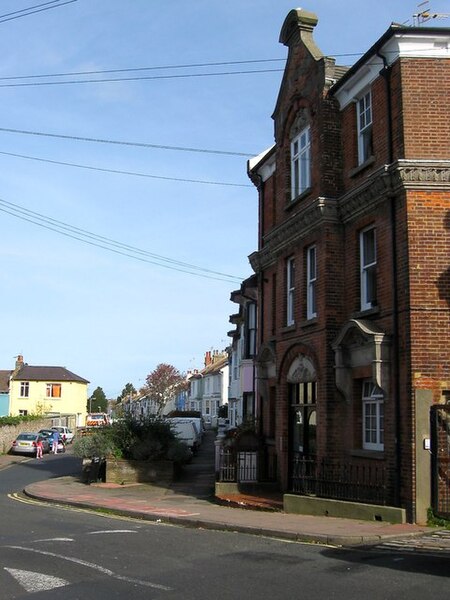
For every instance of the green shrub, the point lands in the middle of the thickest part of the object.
(179, 452)
(19, 419)
(92, 445)
(434, 521)
(148, 439)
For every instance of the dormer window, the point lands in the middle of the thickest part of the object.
(364, 115)
(301, 163)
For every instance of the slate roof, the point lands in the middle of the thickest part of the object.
(4, 381)
(37, 373)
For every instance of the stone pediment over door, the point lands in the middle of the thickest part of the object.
(301, 370)
(359, 344)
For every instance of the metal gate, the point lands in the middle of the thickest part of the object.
(440, 452)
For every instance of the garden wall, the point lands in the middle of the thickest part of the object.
(8, 433)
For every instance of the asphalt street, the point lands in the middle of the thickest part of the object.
(72, 554)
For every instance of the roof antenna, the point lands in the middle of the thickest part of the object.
(425, 14)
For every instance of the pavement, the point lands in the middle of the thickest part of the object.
(191, 503)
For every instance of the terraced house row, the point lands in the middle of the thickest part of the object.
(352, 383)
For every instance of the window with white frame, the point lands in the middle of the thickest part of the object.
(53, 390)
(290, 291)
(235, 363)
(368, 267)
(311, 282)
(364, 115)
(251, 330)
(301, 163)
(24, 389)
(373, 416)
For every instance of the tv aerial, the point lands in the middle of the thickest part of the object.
(425, 14)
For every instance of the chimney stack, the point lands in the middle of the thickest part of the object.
(19, 363)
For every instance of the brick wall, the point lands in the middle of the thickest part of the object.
(425, 85)
(374, 194)
(8, 433)
(429, 248)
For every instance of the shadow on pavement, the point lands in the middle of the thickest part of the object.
(408, 558)
(57, 466)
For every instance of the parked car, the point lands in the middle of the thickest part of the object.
(186, 432)
(66, 434)
(198, 426)
(26, 443)
(48, 435)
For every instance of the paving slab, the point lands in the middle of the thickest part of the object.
(160, 504)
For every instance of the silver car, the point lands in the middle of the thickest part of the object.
(26, 443)
(65, 433)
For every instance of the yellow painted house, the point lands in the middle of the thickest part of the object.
(49, 391)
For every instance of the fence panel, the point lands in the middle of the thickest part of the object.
(355, 482)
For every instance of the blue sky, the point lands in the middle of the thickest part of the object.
(108, 317)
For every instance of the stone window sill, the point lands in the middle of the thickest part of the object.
(298, 199)
(369, 162)
(375, 310)
(309, 322)
(374, 454)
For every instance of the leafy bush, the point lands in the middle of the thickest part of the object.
(434, 521)
(92, 445)
(179, 452)
(148, 439)
(18, 420)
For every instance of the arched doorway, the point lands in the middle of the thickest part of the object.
(302, 396)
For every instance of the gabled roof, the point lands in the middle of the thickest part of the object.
(38, 373)
(216, 366)
(4, 381)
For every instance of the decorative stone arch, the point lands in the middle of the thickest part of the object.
(265, 368)
(298, 365)
(364, 347)
(301, 370)
(298, 116)
(266, 361)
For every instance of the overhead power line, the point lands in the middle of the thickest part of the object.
(93, 239)
(126, 143)
(121, 172)
(25, 12)
(151, 68)
(169, 67)
(137, 78)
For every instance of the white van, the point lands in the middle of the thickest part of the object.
(186, 432)
(197, 422)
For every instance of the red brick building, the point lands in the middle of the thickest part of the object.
(353, 266)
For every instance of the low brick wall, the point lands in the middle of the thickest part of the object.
(137, 471)
(8, 433)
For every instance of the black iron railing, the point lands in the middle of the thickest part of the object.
(239, 466)
(356, 482)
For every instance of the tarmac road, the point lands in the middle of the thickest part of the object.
(72, 553)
